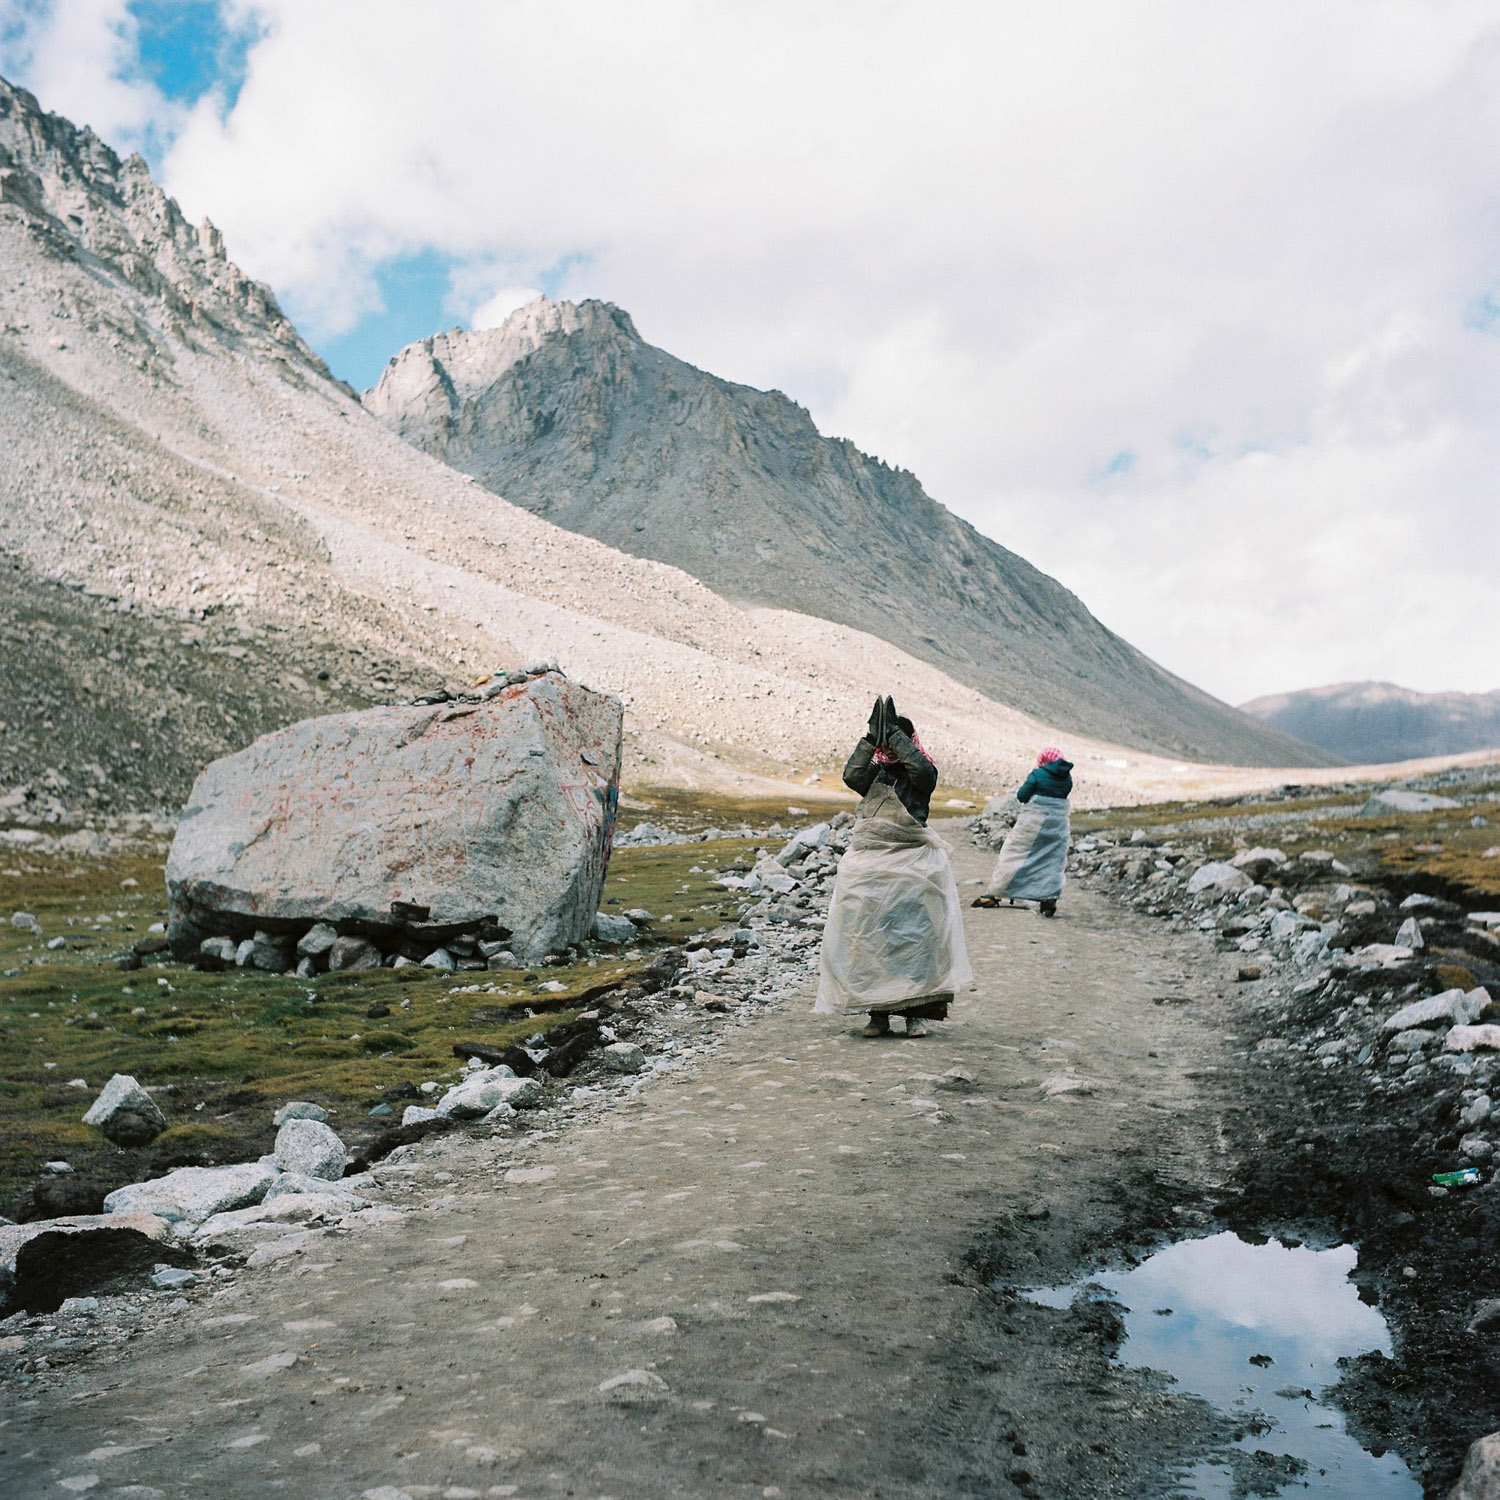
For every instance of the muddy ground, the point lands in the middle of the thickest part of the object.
(802, 1254)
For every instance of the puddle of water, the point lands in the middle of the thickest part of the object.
(1294, 1312)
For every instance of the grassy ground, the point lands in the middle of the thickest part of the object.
(231, 1047)
(1441, 852)
(686, 811)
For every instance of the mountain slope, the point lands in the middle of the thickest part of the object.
(1370, 722)
(567, 411)
(203, 536)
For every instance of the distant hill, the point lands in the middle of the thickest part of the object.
(1369, 722)
(567, 411)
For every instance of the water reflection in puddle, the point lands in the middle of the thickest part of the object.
(1256, 1328)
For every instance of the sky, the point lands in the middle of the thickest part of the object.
(1194, 304)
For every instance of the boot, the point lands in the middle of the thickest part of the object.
(1048, 908)
(916, 1026)
(877, 1025)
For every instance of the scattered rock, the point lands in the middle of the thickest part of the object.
(1217, 877)
(1473, 1039)
(190, 1194)
(317, 940)
(311, 1148)
(173, 1279)
(1451, 1008)
(611, 929)
(299, 1109)
(623, 1057)
(1409, 935)
(353, 953)
(481, 1092)
(126, 1113)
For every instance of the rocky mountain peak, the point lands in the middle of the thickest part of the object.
(429, 383)
(82, 203)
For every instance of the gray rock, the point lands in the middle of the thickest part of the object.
(611, 929)
(92, 1248)
(353, 953)
(1486, 1316)
(220, 951)
(623, 1057)
(440, 959)
(126, 1113)
(640, 916)
(243, 951)
(1258, 863)
(416, 1114)
(1217, 877)
(1413, 1039)
(1476, 1148)
(481, 1092)
(1480, 1479)
(306, 968)
(504, 959)
(298, 1109)
(269, 952)
(1398, 800)
(1473, 1039)
(190, 1194)
(317, 940)
(288, 1183)
(483, 811)
(310, 1147)
(1476, 1112)
(1409, 935)
(78, 1307)
(23, 921)
(173, 1279)
(1451, 1008)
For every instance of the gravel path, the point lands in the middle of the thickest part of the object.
(763, 1274)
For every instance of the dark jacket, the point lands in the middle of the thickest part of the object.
(914, 776)
(1055, 779)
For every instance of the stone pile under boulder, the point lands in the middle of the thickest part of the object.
(443, 833)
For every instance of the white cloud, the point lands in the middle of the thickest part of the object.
(493, 311)
(1000, 244)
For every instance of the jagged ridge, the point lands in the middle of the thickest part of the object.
(566, 410)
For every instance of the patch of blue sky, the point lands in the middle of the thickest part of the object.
(1116, 468)
(422, 293)
(415, 301)
(1483, 314)
(188, 48)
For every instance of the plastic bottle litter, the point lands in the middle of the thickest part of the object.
(1464, 1177)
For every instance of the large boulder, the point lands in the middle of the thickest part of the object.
(191, 1194)
(41, 1264)
(451, 816)
(1451, 1008)
(1480, 1479)
(126, 1113)
(1218, 878)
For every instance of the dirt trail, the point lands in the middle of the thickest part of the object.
(788, 1245)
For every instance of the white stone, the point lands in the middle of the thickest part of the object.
(123, 1092)
(623, 1057)
(1473, 1039)
(415, 1114)
(310, 1147)
(442, 959)
(299, 1109)
(190, 1194)
(1409, 935)
(1451, 1008)
(477, 1095)
(1380, 956)
(1217, 876)
(608, 928)
(317, 940)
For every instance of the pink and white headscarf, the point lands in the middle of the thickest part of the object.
(886, 758)
(1047, 756)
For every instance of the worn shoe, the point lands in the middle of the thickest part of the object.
(916, 1026)
(988, 902)
(876, 1026)
(1048, 908)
